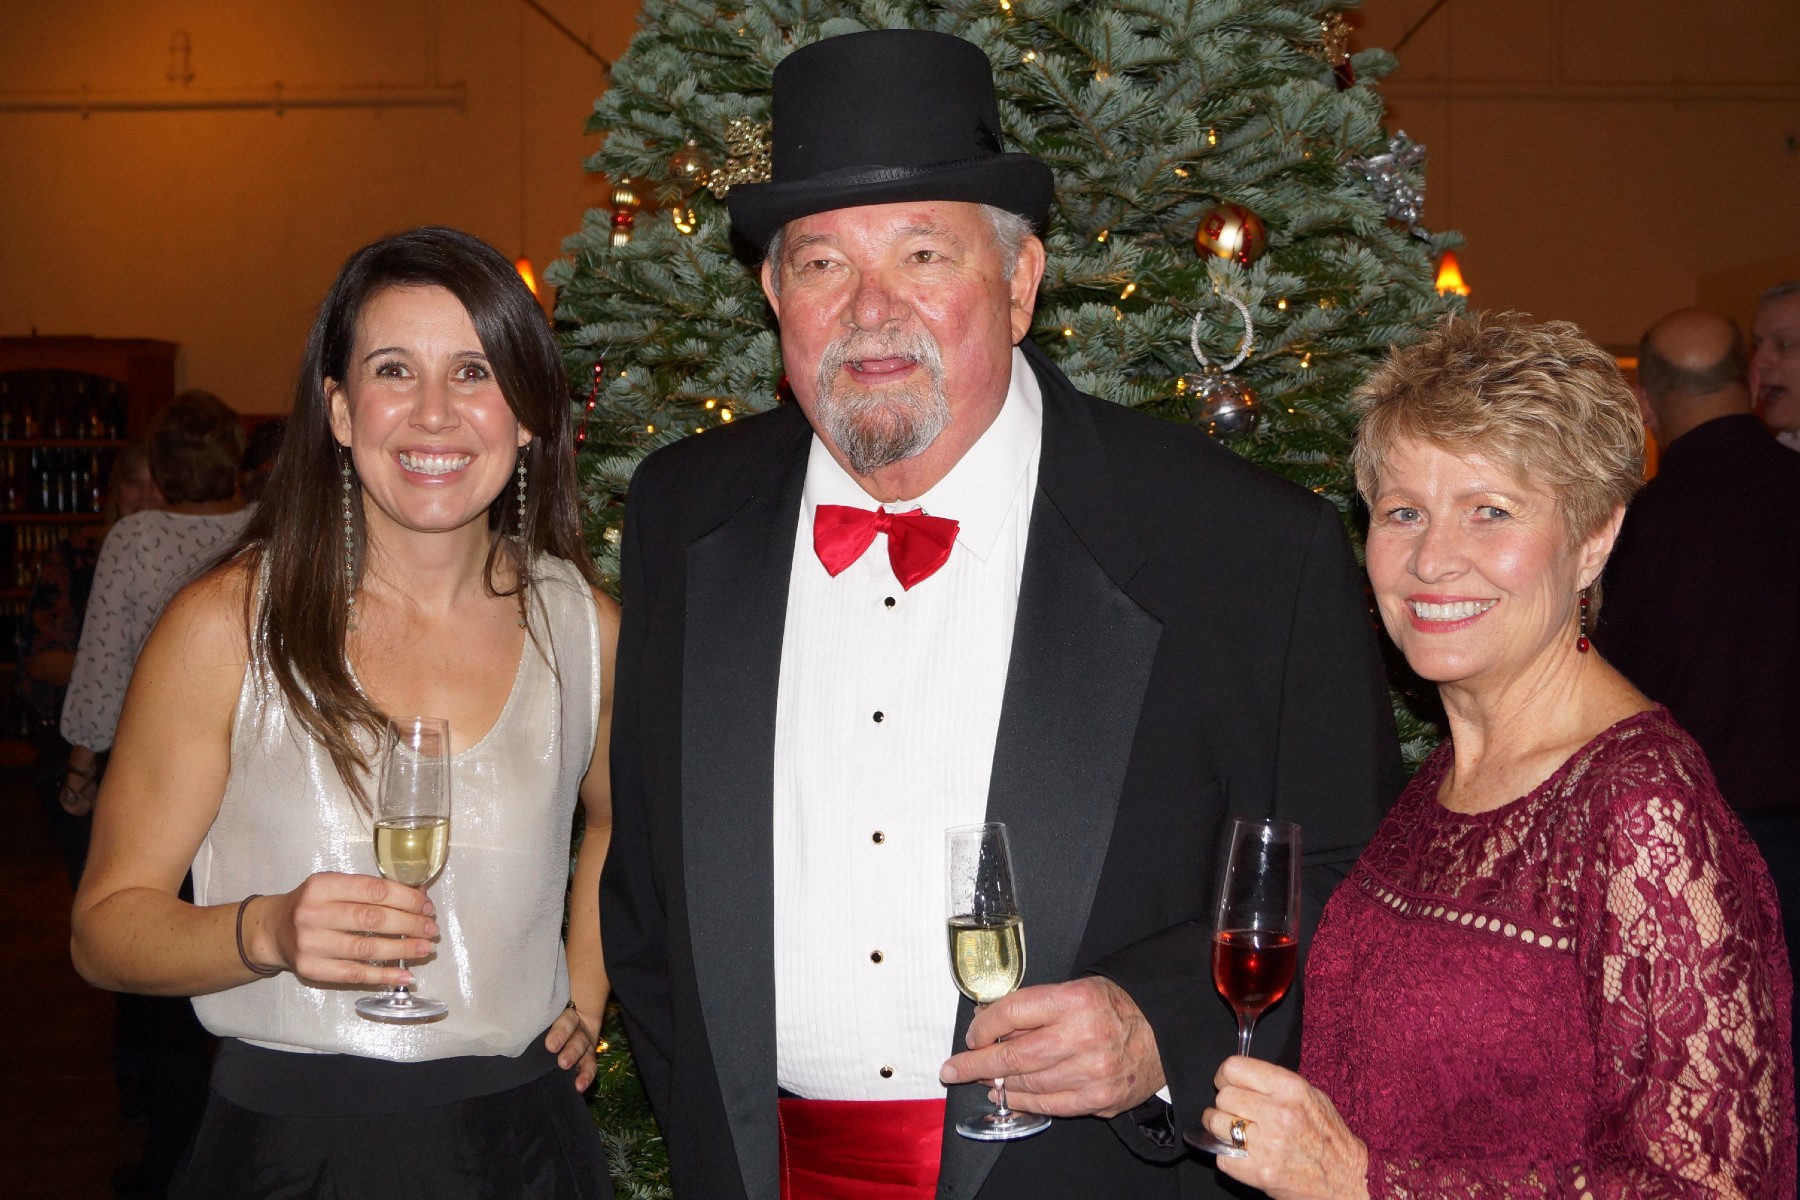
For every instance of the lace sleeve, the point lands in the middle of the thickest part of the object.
(1688, 996)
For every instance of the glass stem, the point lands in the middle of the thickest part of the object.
(401, 996)
(1001, 1111)
(1246, 1027)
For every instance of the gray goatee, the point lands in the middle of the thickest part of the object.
(875, 427)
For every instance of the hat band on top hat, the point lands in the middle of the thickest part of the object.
(859, 176)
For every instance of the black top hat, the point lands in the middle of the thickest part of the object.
(884, 116)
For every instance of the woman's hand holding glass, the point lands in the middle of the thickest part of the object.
(1299, 1147)
(334, 927)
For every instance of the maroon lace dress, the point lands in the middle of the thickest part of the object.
(1583, 993)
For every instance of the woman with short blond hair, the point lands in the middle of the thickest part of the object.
(1558, 969)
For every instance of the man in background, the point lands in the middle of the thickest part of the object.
(1702, 602)
(1775, 365)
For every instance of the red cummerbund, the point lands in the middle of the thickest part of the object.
(860, 1149)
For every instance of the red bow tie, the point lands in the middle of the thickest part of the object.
(917, 544)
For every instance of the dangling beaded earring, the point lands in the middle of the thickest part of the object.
(1581, 643)
(349, 542)
(524, 547)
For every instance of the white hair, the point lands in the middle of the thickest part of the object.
(1010, 231)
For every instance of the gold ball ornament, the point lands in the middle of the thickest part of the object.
(625, 196)
(690, 166)
(1231, 231)
(622, 221)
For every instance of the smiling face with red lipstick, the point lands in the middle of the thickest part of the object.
(897, 328)
(1474, 570)
(431, 435)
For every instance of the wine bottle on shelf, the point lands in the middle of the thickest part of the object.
(93, 425)
(6, 410)
(76, 474)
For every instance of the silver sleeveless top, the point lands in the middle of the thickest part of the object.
(500, 965)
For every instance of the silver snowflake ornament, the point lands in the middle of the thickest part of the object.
(1390, 175)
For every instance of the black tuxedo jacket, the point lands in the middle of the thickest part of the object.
(1191, 644)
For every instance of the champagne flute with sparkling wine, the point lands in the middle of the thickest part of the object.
(987, 949)
(1256, 938)
(412, 835)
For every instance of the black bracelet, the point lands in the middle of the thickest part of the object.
(265, 972)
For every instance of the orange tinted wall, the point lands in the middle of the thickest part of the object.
(220, 230)
(1609, 160)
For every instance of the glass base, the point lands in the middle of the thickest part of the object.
(401, 1006)
(1200, 1139)
(993, 1127)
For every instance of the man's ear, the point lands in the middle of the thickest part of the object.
(1028, 272)
(768, 285)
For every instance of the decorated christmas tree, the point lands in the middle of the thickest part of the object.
(1236, 237)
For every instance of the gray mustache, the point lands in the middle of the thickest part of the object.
(919, 347)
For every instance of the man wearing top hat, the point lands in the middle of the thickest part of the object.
(946, 587)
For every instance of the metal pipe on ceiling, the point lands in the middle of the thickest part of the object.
(277, 98)
(1677, 91)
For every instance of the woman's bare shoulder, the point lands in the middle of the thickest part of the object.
(211, 613)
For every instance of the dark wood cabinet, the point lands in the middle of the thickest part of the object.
(67, 404)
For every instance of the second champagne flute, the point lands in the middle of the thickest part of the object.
(987, 949)
(412, 835)
(1255, 932)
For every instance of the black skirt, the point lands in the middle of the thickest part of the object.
(284, 1126)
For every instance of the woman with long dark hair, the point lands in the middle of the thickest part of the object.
(417, 551)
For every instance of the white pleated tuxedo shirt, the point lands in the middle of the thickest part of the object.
(885, 723)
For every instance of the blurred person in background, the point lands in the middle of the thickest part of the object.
(260, 449)
(47, 640)
(1703, 590)
(194, 446)
(1775, 363)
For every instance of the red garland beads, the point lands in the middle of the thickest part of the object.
(593, 397)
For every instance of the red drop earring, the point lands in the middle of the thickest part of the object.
(1581, 643)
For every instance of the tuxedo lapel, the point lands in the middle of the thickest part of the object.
(737, 584)
(1081, 658)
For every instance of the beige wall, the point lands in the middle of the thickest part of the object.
(1609, 160)
(221, 229)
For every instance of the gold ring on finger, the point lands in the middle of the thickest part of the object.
(1238, 1139)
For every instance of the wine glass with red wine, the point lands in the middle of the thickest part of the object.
(1256, 934)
